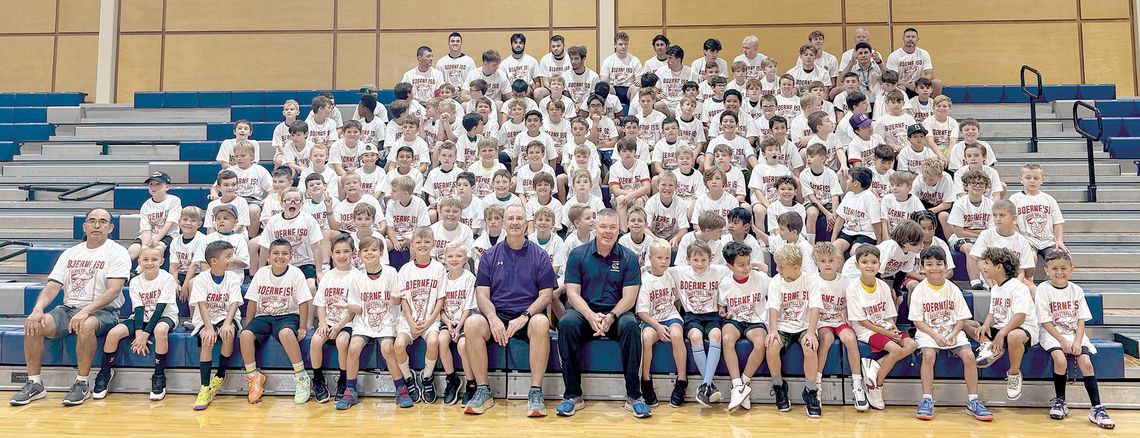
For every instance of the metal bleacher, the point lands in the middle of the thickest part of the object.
(179, 133)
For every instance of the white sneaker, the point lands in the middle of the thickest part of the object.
(747, 403)
(870, 370)
(860, 396)
(875, 398)
(1013, 386)
(737, 396)
(985, 355)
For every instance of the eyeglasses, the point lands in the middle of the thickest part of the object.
(978, 183)
(767, 106)
(291, 201)
(96, 222)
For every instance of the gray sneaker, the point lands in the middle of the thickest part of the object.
(27, 394)
(535, 404)
(480, 402)
(79, 393)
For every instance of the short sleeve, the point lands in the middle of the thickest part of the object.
(815, 296)
(133, 291)
(631, 271)
(119, 266)
(1042, 298)
(59, 271)
(914, 312)
(483, 276)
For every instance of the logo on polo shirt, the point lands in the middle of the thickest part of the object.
(615, 266)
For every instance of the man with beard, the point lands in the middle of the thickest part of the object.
(512, 289)
(92, 275)
(456, 65)
(911, 63)
(552, 64)
(519, 66)
(602, 282)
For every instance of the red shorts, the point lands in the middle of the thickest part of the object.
(837, 330)
(878, 341)
(906, 281)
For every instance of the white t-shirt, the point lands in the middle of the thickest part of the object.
(442, 236)
(239, 204)
(549, 66)
(775, 242)
(745, 302)
(892, 260)
(226, 150)
(420, 287)
(1010, 298)
(629, 178)
(347, 157)
(290, 153)
(277, 295)
(621, 72)
(920, 110)
(669, 82)
(595, 204)
(533, 205)
(413, 173)
(741, 150)
(182, 251)
(483, 177)
(379, 301)
(860, 212)
(342, 211)
(405, 218)
(496, 82)
(555, 249)
(454, 70)
(788, 107)
(764, 176)
(217, 296)
(303, 233)
(972, 217)
(895, 212)
(793, 300)
(875, 307)
(665, 153)
(893, 128)
(83, 272)
(864, 150)
(472, 215)
(1065, 308)
(823, 186)
(580, 85)
(237, 240)
(440, 183)
(833, 296)
(690, 186)
(559, 132)
(942, 132)
(1016, 243)
(754, 70)
(424, 83)
(323, 133)
(934, 195)
(682, 258)
(911, 161)
(664, 221)
(524, 67)
(155, 215)
(458, 295)
(692, 132)
(252, 182)
(518, 148)
(940, 308)
(698, 291)
(418, 145)
(698, 66)
(658, 296)
(721, 206)
(641, 249)
(1036, 215)
(148, 294)
(909, 66)
(958, 155)
(509, 200)
(804, 77)
(371, 182)
(335, 287)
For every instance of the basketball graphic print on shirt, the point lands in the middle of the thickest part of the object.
(941, 316)
(335, 310)
(156, 220)
(794, 305)
(79, 275)
(875, 314)
(1065, 315)
(701, 295)
(216, 304)
(661, 300)
(1036, 217)
(834, 307)
(376, 308)
(741, 308)
(1000, 309)
(274, 300)
(418, 293)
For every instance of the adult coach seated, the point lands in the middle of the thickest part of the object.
(602, 282)
(92, 275)
(512, 289)
(911, 63)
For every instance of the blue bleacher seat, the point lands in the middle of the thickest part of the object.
(985, 93)
(223, 131)
(181, 99)
(275, 97)
(214, 99)
(77, 227)
(36, 114)
(198, 150)
(132, 197)
(150, 99)
(956, 93)
(1059, 92)
(247, 97)
(345, 97)
(1096, 91)
(7, 99)
(1013, 94)
(1117, 108)
(8, 150)
(65, 98)
(253, 113)
(386, 96)
(41, 259)
(30, 99)
(1118, 147)
(31, 131)
(1113, 126)
(6, 132)
(1130, 126)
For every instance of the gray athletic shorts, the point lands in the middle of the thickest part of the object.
(107, 316)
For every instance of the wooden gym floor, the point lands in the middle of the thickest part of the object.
(133, 415)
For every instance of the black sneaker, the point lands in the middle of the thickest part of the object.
(428, 385)
(677, 399)
(320, 391)
(102, 383)
(340, 387)
(469, 391)
(714, 393)
(703, 394)
(157, 387)
(811, 400)
(451, 390)
(781, 394)
(414, 391)
(648, 393)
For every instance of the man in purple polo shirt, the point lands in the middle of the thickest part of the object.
(513, 289)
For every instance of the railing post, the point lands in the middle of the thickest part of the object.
(1033, 99)
(1089, 139)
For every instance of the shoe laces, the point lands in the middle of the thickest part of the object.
(534, 397)
(1099, 413)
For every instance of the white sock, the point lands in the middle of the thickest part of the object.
(929, 396)
(857, 380)
(737, 382)
(406, 370)
(745, 380)
(818, 378)
(35, 379)
(972, 397)
(811, 238)
(81, 379)
(429, 368)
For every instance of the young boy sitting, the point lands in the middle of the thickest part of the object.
(404, 213)
(1042, 223)
(543, 197)
(1012, 321)
(743, 305)
(739, 224)
(1063, 310)
(419, 284)
(901, 203)
(160, 214)
(1003, 235)
(793, 315)
(970, 216)
(657, 308)
(936, 191)
(975, 156)
(458, 293)
(820, 187)
(152, 295)
(334, 320)
(697, 286)
(214, 298)
(183, 248)
(629, 181)
(493, 220)
(857, 220)
(871, 307)
(666, 212)
(375, 302)
(710, 227)
(939, 312)
(789, 228)
(278, 300)
(833, 322)
(225, 219)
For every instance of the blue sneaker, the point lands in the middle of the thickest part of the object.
(348, 400)
(403, 399)
(978, 410)
(638, 407)
(925, 409)
(570, 406)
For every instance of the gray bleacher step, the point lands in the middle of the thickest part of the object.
(1003, 147)
(12, 194)
(87, 170)
(1120, 318)
(109, 113)
(1100, 207)
(1120, 295)
(1106, 256)
(144, 150)
(1128, 277)
(72, 180)
(50, 204)
(1044, 128)
(157, 131)
(102, 159)
(1102, 223)
(994, 110)
(1079, 194)
(1013, 169)
(1062, 179)
(1079, 157)
(25, 233)
(65, 149)
(37, 221)
(1072, 239)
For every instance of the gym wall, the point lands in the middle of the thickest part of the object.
(282, 44)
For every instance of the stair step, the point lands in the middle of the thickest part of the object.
(87, 170)
(121, 158)
(71, 150)
(1002, 147)
(41, 222)
(1092, 223)
(71, 180)
(144, 150)
(115, 132)
(1106, 257)
(103, 113)
(23, 233)
(1013, 169)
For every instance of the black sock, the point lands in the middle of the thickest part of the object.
(1093, 390)
(222, 366)
(160, 363)
(1059, 384)
(108, 358)
(343, 376)
(319, 375)
(204, 372)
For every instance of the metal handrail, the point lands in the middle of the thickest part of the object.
(1089, 139)
(23, 248)
(1033, 98)
(65, 193)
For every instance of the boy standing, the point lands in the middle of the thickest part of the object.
(214, 298)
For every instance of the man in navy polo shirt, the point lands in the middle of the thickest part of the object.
(513, 288)
(602, 282)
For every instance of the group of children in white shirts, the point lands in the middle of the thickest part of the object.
(763, 156)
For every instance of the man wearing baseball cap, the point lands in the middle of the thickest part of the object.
(159, 215)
